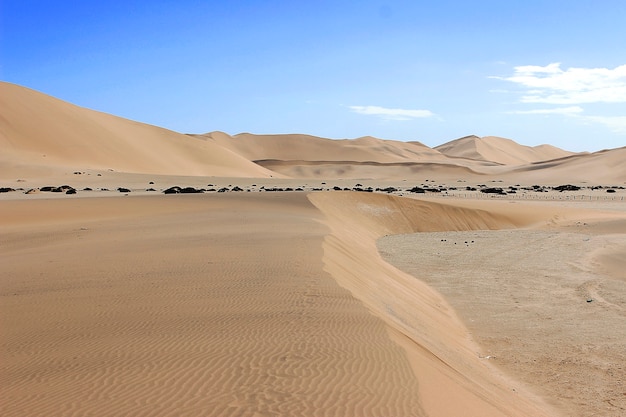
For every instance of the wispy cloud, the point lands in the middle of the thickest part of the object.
(553, 85)
(392, 114)
(616, 124)
(559, 110)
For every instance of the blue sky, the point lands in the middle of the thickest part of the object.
(534, 71)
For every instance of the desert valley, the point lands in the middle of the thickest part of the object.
(148, 272)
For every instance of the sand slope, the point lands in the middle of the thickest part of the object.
(603, 167)
(453, 380)
(38, 132)
(202, 305)
(500, 150)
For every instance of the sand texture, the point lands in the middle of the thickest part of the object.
(145, 272)
(202, 306)
(547, 305)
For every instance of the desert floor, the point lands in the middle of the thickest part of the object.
(287, 303)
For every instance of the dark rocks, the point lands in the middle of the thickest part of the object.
(493, 190)
(123, 190)
(566, 187)
(172, 190)
(191, 190)
(418, 190)
(6, 190)
(179, 190)
(610, 190)
(60, 189)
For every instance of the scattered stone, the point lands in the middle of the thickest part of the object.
(71, 191)
(123, 190)
(418, 190)
(172, 190)
(191, 190)
(237, 188)
(150, 189)
(6, 190)
(493, 190)
(610, 190)
(567, 187)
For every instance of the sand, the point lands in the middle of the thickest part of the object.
(545, 304)
(186, 305)
(291, 293)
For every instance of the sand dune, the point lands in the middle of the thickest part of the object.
(500, 150)
(297, 147)
(40, 134)
(67, 138)
(603, 167)
(191, 305)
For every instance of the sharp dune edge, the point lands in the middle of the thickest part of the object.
(254, 303)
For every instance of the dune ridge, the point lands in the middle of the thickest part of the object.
(446, 362)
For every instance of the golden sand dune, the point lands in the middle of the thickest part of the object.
(500, 150)
(39, 133)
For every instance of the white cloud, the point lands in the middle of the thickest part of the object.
(392, 114)
(553, 85)
(559, 110)
(617, 124)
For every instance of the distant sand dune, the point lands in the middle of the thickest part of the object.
(500, 150)
(39, 134)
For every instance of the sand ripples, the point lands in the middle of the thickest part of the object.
(209, 313)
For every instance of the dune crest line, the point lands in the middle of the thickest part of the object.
(452, 378)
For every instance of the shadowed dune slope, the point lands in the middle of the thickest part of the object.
(39, 131)
(500, 150)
